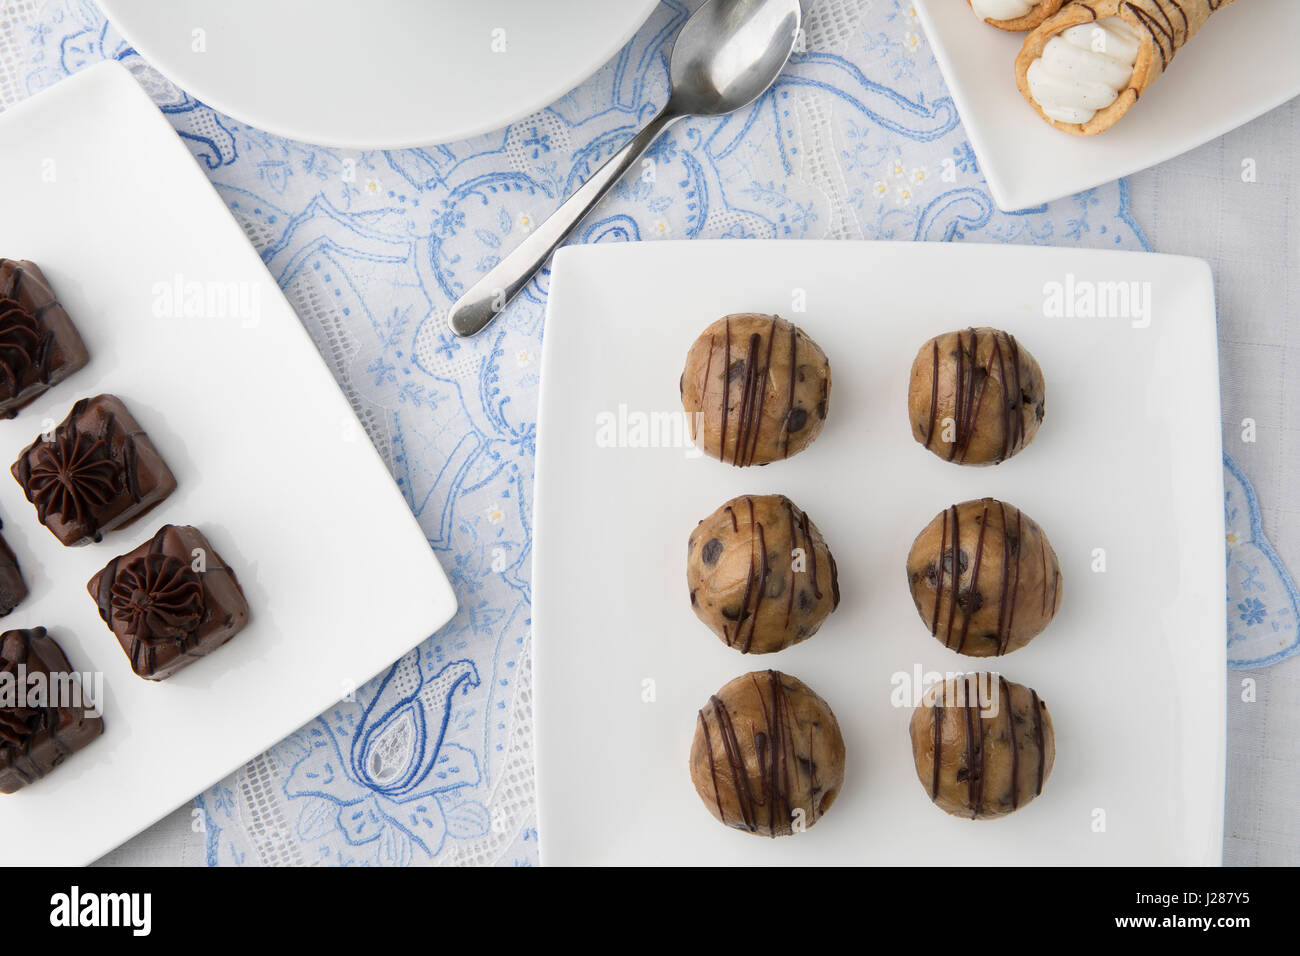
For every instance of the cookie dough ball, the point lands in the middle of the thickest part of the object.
(976, 397)
(984, 578)
(755, 389)
(768, 757)
(983, 745)
(760, 574)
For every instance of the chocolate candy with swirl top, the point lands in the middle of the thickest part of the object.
(39, 345)
(97, 471)
(43, 719)
(170, 601)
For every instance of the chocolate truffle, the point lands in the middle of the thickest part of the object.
(42, 722)
(12, 586)
(39, 345)
(96, 472)
(170, 601)
(976, 397)
(768, 757)
(760, 574)
(983, 745)
(755, 389)
(984, 578)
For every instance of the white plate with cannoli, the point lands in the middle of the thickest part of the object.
(1059, 96)
(1086, 569)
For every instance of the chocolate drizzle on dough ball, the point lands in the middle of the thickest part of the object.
(756, 389)
(975, 397)
(983, 746)
(984, 578)
(768, 757)
(760, 574)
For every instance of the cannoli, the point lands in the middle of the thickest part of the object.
(1015, 16)
(1083, 68)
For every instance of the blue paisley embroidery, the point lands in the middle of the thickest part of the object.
(390, 778)
(1263, 604)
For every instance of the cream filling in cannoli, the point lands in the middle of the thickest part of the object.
(1083, 69)
(1002, 9)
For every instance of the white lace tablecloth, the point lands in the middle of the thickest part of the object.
(859, 139)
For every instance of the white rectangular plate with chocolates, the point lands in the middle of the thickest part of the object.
(1092, 377)
(1236, 65)
(223, 511)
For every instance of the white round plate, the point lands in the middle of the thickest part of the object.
(384, 74)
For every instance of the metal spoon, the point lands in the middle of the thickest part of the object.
(725, 56)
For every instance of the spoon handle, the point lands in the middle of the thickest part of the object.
(493, 292)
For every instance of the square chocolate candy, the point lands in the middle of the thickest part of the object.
(170, 601)
(45, 714)
(39, 345)
(97, 471)
(12, 586)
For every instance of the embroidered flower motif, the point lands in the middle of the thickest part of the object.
(387, 780)
(1252, 611)
(1263, 607)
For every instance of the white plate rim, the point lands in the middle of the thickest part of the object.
(584, 66)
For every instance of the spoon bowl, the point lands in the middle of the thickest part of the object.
(726, 56)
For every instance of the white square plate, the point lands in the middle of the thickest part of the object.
(1128, 459)
(269, 459)
(1240, 65)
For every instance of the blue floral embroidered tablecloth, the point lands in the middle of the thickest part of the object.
(858, 139)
